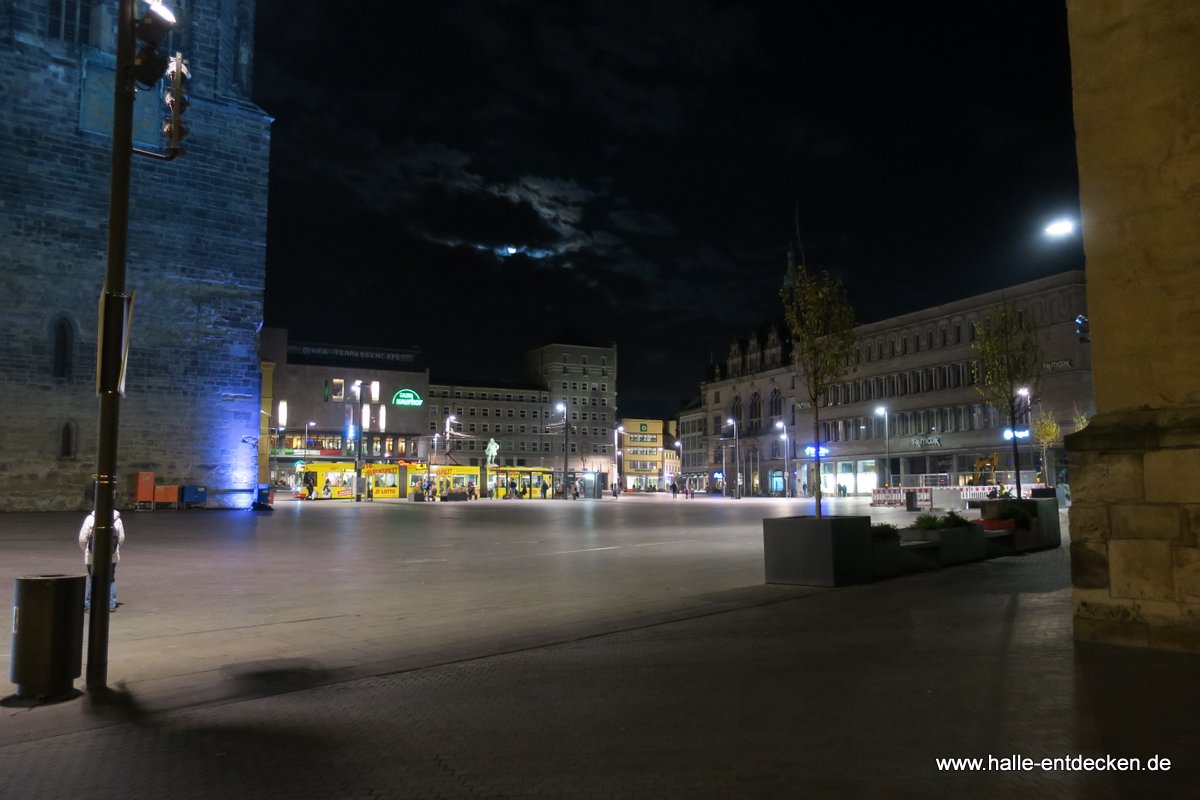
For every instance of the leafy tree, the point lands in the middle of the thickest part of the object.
(821, 322)
(1008, 367)
(1046, 431)
(1080, 420)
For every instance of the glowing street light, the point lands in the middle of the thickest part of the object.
(737, 459)
(787, 457)
(1060, 228)
(887, 445)
(566, 444)
(617, 461)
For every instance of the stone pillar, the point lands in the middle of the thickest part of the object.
(1136, 468)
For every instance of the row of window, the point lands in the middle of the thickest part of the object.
(577, 386)
(930, 379)
(521, 413)
(508, 396)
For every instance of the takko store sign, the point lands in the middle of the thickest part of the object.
(407, 397)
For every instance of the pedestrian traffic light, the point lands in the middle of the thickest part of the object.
(150, 63)
(176, 100)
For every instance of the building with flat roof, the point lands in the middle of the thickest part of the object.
(907, 411)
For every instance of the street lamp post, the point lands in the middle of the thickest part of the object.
(450, 419)
(617, 461)
(887, 445)
(307, 425)
(787, 458)
(364, 419)
(724, 473)
(566, 444)
(1019, 406)
(679, 462)
(737, 459)
(116, 305)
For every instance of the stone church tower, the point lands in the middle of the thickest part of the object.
(196, 257)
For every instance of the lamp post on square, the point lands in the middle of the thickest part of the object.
(887, 445)
(617, 431)
(566, 444)
(787, 458)
(737, 459)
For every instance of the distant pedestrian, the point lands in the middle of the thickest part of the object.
(674, 490)
(545, 488)
(86, 535)
(574, 490)
(614, 491)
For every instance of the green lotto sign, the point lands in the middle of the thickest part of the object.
(406, 397)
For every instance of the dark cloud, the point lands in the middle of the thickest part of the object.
(646, 163)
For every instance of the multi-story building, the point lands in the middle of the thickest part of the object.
(583, 379)
(414, 418)
(196, 247)
(648, 457)
(907, 411)
(312, 408)
(693, 456)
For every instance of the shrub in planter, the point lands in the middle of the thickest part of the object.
(927, 522)
(885, 550)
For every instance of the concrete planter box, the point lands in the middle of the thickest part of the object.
(1045, 531)
(885, 557)
(812, 551)
(955, 545)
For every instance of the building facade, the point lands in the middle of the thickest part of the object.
(413, 417)
(907, 412)
(196, 257)
(583, 378)
(693, 455)
(649, 458)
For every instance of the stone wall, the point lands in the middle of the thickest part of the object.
(196, 259)
(1136, 468)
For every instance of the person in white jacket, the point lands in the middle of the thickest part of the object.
(85, 544)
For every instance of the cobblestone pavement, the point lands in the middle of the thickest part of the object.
(846, 693)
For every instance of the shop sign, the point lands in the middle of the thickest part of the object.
(810, 451)
(1062, 363)
(407, 397)
(927, 441)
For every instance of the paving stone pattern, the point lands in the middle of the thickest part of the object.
(845, 693)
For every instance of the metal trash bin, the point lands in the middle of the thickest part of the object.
(47, 637)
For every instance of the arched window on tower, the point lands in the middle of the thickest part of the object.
(63, 348)
(67, 440)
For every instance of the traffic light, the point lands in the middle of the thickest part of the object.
(176, 101)
(149, 64)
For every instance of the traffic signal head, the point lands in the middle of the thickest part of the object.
(176, 100)
(149, 64)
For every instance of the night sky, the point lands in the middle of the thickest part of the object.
(476, 178)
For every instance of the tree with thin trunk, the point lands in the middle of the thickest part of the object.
(1046, 432)
(821, 322)
(1008, 367)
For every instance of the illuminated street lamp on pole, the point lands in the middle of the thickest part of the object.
(566, 444)
(617, 460)
(737, 459)
(787, 458)
(679, 463)
(449, 420)
(887, 445)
